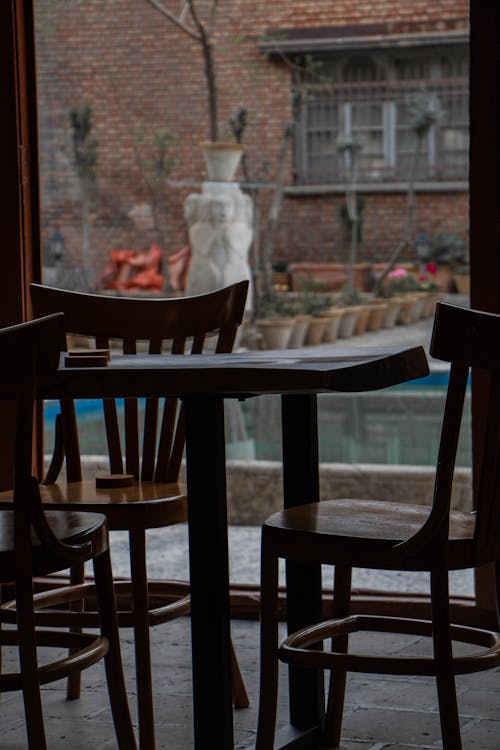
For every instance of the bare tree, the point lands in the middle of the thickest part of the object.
(425, 112)
(85, 160)
(238, 125)
(349, 147)
(197, 20)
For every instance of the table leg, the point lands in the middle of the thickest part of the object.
(303, 581)
(209, 573)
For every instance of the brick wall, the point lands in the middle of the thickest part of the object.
(139, 74)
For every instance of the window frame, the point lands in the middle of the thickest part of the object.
(387, 88)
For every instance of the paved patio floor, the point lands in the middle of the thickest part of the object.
(391, 713)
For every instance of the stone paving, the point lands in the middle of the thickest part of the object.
(381, 713)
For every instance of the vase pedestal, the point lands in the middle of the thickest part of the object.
(220, 224)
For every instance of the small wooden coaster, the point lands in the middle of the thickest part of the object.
(114, 480)
(80, 351)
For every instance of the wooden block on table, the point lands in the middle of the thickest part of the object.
(114, 480)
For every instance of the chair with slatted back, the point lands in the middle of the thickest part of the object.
(349, 533)
(36, 543)
(154, 499)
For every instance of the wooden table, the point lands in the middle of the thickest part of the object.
(203, 382)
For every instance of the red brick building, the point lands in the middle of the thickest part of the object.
(141, 76)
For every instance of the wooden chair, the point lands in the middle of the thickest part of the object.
(386, 535)
(34, 543)
(154, 499)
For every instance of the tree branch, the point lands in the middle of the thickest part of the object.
(204, 35)
(176, 21)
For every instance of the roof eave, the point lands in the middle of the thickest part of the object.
(284, 46)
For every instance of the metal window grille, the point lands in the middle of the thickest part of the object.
(370, 97)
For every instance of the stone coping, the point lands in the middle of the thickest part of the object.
(255, 487)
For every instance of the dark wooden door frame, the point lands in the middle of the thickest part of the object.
(19, 209)
(484, 204)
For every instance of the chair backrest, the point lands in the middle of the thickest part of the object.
(468, 339)
(177, 325)
(29, 351)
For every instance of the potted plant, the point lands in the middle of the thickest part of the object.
(311, 302)
(461, 274)
(404, 285)
(275, 321)
(315, 304)
(447, 252)
(349, 302)
(377, 314)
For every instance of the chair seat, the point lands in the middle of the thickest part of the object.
(351, 530)
(70, 528)
(149, 504)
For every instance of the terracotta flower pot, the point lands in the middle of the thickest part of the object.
(376, 316)
(430, 304)
(462, 282)
(407, 309)
(348, 321)
(299, 331)
(315, 331)
(393, 306)
(418, 310)
(221, 160)
(362, 320)
(333, 316)
(275, 332)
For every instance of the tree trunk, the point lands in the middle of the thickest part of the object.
(209, 67)
(272, 219)
(410, 215)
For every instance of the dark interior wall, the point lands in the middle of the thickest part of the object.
(19, 194)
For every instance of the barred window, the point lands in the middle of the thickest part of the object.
(370, 96)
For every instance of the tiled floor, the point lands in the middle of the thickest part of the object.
(392, 713)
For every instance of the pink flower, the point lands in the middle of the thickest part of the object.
(431, 267)
(398, 273)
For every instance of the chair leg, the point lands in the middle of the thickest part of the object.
(268, 693)
(336, 692)
(29, 669)
(240, 695)
(497, 589)
(443, 657)
(140, 604)
(113, 662)
(74, 683)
